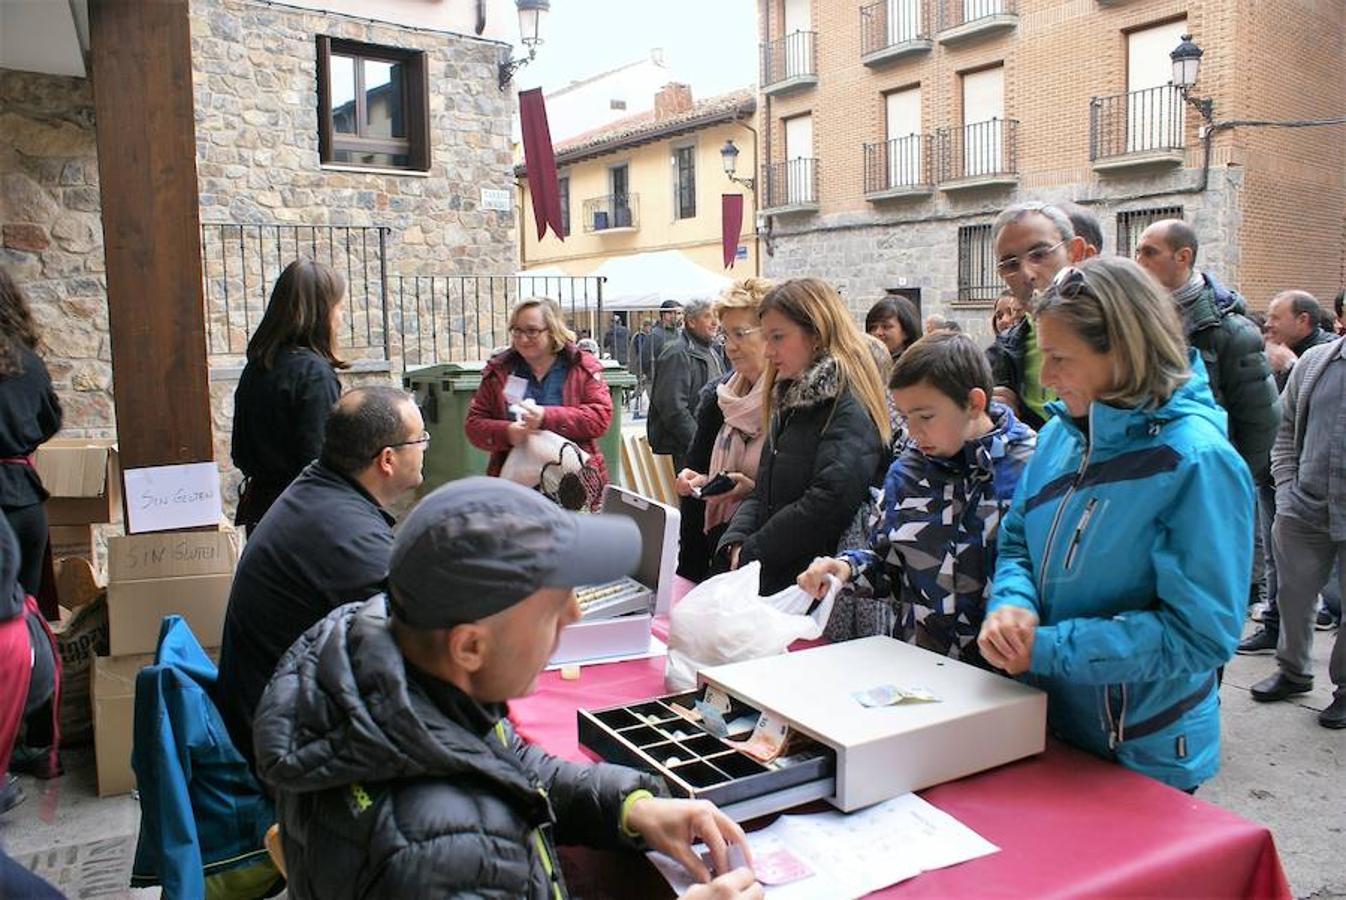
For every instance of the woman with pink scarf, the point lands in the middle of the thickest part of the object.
(730, 431)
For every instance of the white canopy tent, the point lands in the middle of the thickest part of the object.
(644, 280)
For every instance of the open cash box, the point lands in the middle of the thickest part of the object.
(615, 617)
(831, 746)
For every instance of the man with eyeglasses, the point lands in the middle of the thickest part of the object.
(685, 366)
(325, 542)
(1033, 241)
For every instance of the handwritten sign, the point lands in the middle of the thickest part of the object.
(162, 498)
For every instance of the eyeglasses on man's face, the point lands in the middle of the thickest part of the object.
(531, 334)
(423, 441)
(1037, 256)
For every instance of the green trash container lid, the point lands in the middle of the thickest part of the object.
(454, 376)
(617, 375)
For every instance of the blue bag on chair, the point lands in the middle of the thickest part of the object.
(203, 815)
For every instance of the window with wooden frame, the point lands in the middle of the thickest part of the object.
(373, 106)
(563, 188)
(684, 161)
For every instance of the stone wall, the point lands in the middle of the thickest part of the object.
(255, 82)
(863, 254)
(52, 236)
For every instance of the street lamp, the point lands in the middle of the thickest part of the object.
(531, 15)
(729, 156)
(1186, 59)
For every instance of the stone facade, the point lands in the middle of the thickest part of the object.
(866, 253)
(52, 236)
(255, 81)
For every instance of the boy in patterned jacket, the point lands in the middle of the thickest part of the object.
(932, 552)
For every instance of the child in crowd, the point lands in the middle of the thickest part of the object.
(933, 550)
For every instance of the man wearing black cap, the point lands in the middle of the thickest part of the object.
(383, 731)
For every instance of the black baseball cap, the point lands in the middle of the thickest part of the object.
(477, 546)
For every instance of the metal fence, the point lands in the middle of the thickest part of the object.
(612, 211)
(890, 23)
(451, 318)
(789, 57)
(793, 183)
(901, 162)
(978, 150)
(1131, 222)
(1136, 122)
(953, 13)
(240, 264)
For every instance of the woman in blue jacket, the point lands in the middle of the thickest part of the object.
(1124, 560)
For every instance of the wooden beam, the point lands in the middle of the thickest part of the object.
(144, 108)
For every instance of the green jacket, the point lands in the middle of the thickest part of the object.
(1240, 376)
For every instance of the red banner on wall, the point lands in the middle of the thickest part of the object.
(540, 163)
(731, 217)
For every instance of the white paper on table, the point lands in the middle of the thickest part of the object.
(855, 854)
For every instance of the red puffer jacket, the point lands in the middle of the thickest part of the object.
(583, 417)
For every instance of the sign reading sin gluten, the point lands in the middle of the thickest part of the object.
(163, 498)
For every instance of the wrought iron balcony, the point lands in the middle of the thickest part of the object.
(898, 168)
(790, 187)
(1137, 129)
(790, 63)
(893, 29)
(962, 20)
(614, 212)
(982, 154)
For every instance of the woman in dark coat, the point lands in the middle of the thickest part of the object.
(828, 429)
(29, 415)
(288, 386)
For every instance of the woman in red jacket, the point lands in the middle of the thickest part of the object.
(565, 384)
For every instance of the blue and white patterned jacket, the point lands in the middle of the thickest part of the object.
(933, 548)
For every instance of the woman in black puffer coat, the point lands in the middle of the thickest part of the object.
(828, 427)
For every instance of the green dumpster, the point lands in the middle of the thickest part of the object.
(444, 393)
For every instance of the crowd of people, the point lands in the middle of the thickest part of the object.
(1090, 504)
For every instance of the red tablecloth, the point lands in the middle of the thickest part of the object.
(1068, 824)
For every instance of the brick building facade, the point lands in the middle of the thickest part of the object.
(1078, 110)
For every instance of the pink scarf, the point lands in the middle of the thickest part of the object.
(738, 446)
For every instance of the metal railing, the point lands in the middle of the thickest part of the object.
(978, 281)
(789, 57)
(451, 318)
(980, 149)
(792, 183)
(1136, 122)
(901, 162)
(890, 23)
(240, 264)
(612, 211)
(954, 13)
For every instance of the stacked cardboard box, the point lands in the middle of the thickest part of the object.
(83, 477)
(150, 576)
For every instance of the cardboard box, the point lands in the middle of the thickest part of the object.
(114, 701)
(172, 554)
(71, 540)
(135, 609)
(84, 479)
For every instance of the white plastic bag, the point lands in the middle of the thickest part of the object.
(525, 462)
(722, 620)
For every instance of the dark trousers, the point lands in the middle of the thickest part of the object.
(30, 527)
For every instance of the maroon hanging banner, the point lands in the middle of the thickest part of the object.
(731, 218)
(540, 163)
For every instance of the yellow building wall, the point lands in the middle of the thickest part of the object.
(653, 180)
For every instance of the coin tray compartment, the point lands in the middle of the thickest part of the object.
(707, 767)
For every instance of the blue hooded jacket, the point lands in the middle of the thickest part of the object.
(203, 815)
(1133, 545)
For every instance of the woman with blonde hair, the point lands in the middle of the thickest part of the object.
(544, 365)
(729, 431)
(826, 418)
(1124, 559)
